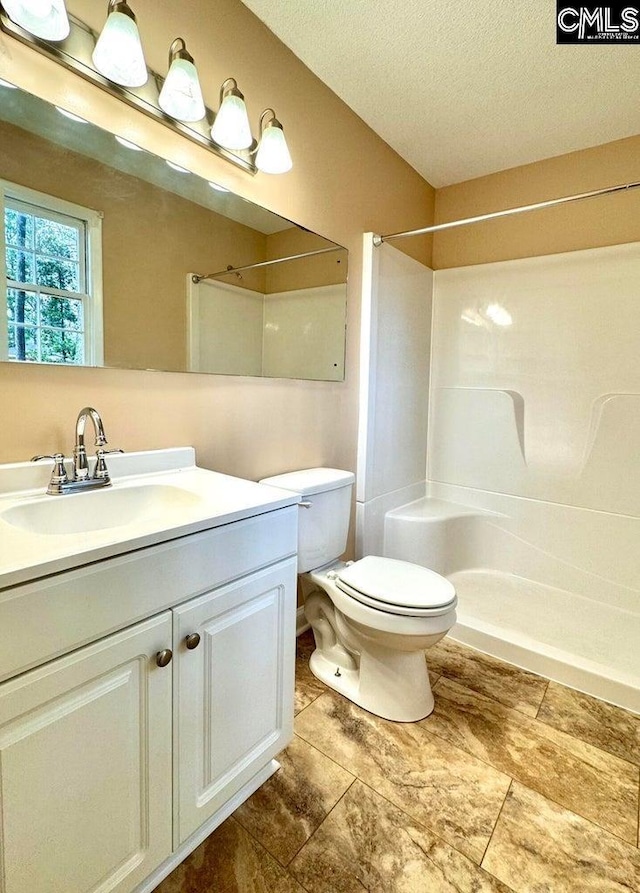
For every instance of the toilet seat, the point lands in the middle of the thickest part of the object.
(397, 587)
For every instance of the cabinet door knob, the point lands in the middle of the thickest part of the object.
(192, 641)
(163, 658)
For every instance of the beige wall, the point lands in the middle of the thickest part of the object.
(592, 223)
(345, 181)
(323, 269)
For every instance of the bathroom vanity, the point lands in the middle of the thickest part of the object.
(147, 636)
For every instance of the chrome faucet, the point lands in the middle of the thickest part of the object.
(80, 464)
(81, 480)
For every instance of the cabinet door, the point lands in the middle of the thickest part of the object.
(233, 701)
(85, 767)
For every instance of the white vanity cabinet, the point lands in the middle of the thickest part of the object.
(85, 756)
(232, 710)
(114, 767)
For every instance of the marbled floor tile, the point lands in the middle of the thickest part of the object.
(366, 843)
(441, 786)
(610, 728)
(577, 775)
(229, 861)
(308, 688)
(288, 808)
(498, 680)
(539, 847)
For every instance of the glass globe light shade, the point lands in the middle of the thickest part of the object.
(118, 53)
(231, 128)
(181, 94)
(39, 8)
(46, 19)
(273, 156)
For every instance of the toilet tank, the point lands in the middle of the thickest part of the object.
(323, 525)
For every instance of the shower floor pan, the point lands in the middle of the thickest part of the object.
(561, 635)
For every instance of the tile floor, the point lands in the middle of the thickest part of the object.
(513, 784)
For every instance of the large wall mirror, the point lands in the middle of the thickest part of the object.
(100, 245)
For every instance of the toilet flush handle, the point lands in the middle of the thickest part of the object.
(305, 505)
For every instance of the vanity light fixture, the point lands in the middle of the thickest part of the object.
(118, 53)
(114, 61)
(273, 156)
(181, 94)
(71, 115)
(231, 128)
(46, 19)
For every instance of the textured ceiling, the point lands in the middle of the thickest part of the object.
(463, 89)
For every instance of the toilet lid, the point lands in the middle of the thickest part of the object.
(396, 584)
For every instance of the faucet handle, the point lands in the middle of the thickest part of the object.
(59, 473)
(101, 472)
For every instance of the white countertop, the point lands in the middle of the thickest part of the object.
(206, 499)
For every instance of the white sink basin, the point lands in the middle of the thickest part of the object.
(75, 513)
(155, 496)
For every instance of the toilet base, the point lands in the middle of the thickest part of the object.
(360, 665)
(393, 686)
(375, 659)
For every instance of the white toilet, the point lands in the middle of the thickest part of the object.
(372, 619)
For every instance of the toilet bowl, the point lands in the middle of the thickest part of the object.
(372, 619)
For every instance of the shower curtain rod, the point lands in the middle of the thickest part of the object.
(608, 190)
(196, 277)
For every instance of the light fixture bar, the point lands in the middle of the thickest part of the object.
(196, 277)
(75, 53)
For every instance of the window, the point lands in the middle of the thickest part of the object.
(51, 254)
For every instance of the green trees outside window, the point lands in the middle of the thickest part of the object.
(44, 267)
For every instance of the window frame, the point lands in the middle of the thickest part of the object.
(67, 213)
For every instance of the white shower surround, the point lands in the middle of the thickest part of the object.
(524, 594)
(530, 504)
